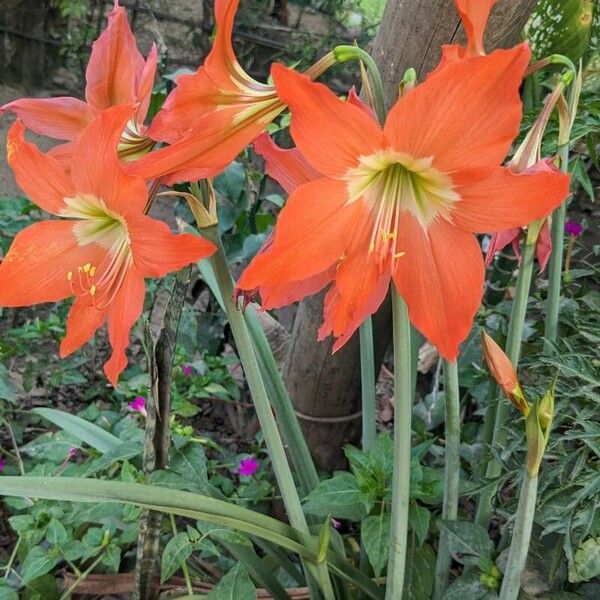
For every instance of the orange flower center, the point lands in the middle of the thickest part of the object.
(99, 225)
(392, 183)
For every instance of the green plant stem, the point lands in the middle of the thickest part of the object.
(262, 406)
(519, 546)
(82, 577)
(402, 448)
(13, 555)
(451, 473)
(367, 379)
(184, 568)
(513, 351)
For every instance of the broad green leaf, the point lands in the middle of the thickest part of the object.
(364, 468)
(236, 585)
(586, 561)
(375, 536)
(382, 452)
(223, 534)
(7, 593)
(467, 587)
(112, 557)
(7, 389)
(190, 462)
(466, 538)
(87, 432)
(177, 551)
(36, 563)
(339, 496)
(56, 533)
(431, 410)
(418, 520)
(124, 451)
(420, 569)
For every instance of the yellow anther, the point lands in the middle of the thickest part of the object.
(92, 290)
(388, 235)
(372, 247)
(92, 271)
(70, 275)
(86, 268)
(399, 254)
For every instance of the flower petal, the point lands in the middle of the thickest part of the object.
(62, 118)
(40, 176)
(500, 240)
(122, 316)
(35, 267)
(146, 84)
(464, 115)
(474, 15)
(63, 154)
(311, 234)
(157, 251)
(83, 321)
(115, 67)
(287, 167)
(441, 279)
(98, 170)
(330, 133)
(543, 246)
(498, 198)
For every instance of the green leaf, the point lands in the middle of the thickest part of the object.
(124, 451)
(418, 519)
(467, 586)
(177, 551)
(466, 539)
(87, 432)
(364, 468)
(586, 561)
(339, 496)
(382, 452)
(36, 563)
(112, 557)
(236, 585)
(7, 389)
(375, 537)
(420, 569)
(6, 592)
(223, 534)
(190, 462)
(324, 537)
(56, 533)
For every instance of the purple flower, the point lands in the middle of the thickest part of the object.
(2, 463)
(139, 405)
(71, 453)
(336, 524)
(187, 370)
(247, 467)
(573, 228)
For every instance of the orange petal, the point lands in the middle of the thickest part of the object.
(98, 171)
(464, 115)
(311, 235)
(115, 67)
(287, 167)
(500, 240)
(63, 118)
(40, 176)
(441, 279)
(122, 316)
(146, 84)
(157, 251)
(35, 267)
(498, 198)
(543, 246)
(474, 15)
(330, 133)
(82, 323)
(63, 154)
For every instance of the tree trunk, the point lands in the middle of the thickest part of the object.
(325, 388)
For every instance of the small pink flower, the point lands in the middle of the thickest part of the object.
(187, 370)
(139, 405)
(573, 228)
(336, 524)
(247, 467)
(71, 453)
(2, 463)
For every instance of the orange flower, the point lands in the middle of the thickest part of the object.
(404, 202)
(503, 372)
(102, 248)
(213, 114)
(116, 74)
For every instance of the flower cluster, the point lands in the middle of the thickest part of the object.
(369, 204)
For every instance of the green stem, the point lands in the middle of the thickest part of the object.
(262, 406)
(519, 546)
(402, 446)
(82, 577)
(367, 378)
(451, 473)
(513, 351)
(184, 568)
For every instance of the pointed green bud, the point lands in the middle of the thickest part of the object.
(323, 540)
(537, 430)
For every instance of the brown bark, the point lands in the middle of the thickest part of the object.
(327, 386)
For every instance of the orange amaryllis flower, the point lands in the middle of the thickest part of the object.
(503, 372)
(212, 114)
(116, 74)
(404, 202)
(101, 249)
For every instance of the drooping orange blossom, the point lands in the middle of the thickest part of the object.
(101, 248)
(116, 74)
(404, 202)
(212, 114)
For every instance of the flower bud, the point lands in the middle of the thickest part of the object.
(537, 430)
